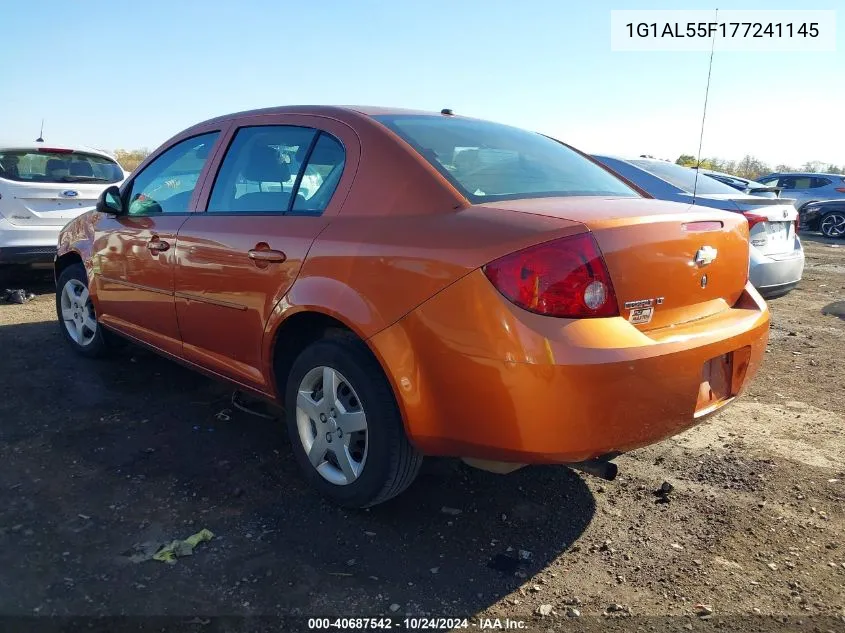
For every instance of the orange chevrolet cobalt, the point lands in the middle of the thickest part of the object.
(409, 283)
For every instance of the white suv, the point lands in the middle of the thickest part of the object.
(42, 189)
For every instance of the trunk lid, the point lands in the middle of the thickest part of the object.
(772, 224)
(46, 204)
(669, 263)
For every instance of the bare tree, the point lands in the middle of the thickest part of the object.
(751, 168)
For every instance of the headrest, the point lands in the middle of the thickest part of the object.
(81, 168)
(55, 164)
(263, 165)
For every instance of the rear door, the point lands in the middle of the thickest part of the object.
(134, 254)
(50, 187)
(276, 188)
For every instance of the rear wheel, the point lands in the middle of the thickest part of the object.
(75, 311)
(833, 224)
(345, 427)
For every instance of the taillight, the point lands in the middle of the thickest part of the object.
(55, 150)
(754, 219)
(797, 224)
(566, 278)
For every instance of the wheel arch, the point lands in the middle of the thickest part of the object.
(300, 327)
(65, 260)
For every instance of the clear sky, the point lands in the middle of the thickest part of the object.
(117, 74)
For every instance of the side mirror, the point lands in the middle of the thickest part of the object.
(110, 202)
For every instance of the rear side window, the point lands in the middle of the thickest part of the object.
(488, 161)
(278, 169)
(320, 177)
(819, 182)
(59, 166)
(800, 182)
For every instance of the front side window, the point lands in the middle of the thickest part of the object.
(167, 184)
(277, 169)
(58, 166)
(488, 161)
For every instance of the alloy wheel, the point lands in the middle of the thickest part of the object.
(833, 225)
(332, 425)
(78, 313)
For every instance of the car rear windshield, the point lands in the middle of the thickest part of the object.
(57, 167)
(489, 161)
(683, 177)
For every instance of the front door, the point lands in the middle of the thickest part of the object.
(134, 254)
(272, 196)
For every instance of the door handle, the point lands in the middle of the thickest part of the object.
(265, 255)
(156, 245)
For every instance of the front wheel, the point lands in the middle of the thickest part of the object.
(75, 311)
(345, 426)
(833, 224)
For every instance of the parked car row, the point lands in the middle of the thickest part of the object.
(807, 187)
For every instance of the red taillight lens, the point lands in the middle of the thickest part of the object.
(797, 224)
(754, 219)
(55, 150)
(565, 278)
(841, 189)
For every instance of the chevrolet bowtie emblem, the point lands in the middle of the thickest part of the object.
(706, 255)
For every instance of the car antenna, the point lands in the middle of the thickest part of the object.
(704, 113)
(40, 138)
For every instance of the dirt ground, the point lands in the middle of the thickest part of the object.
(99, 456)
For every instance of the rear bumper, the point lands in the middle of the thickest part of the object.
(478, 377)
(25, 255)
(27, 245)
(776, 275)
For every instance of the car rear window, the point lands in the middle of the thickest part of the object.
(488, 161)
(683, 177)
(58, 167)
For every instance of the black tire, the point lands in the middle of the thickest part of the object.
(830, 222)
(97, 346)
(391, 462)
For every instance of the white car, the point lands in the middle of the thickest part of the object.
(42, 188)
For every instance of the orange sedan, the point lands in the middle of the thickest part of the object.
(408, 284)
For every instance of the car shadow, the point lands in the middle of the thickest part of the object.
(39, 281)
(99, 456)
(818, 238)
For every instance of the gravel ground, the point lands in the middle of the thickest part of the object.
(97, 457)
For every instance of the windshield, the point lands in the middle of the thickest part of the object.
(489, 161)
(683, 177)
(58, 167)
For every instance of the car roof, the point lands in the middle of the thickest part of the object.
(32, 146)
(630, 159)
(341, 112)
(799, 173)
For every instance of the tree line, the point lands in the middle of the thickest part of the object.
(751, 168)
(129, 159)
